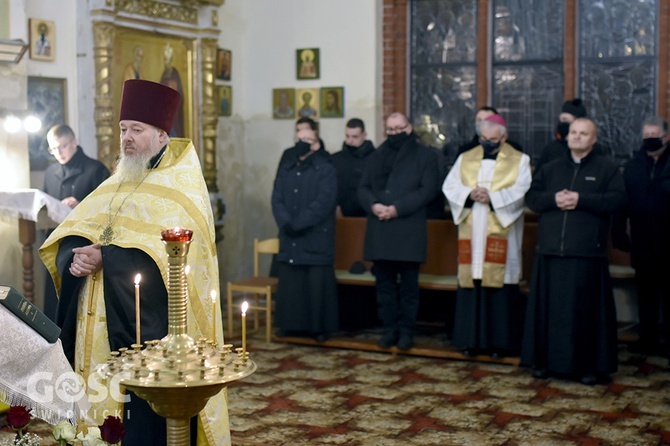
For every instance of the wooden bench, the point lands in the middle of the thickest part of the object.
(439, 272)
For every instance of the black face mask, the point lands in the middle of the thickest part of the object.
(348, 147)
(302, 147)
(652, 144)
(563, 128)
(396, 141)
(490, 146)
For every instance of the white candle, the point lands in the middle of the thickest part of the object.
(245, 307)
(138, 339)
(213, 315)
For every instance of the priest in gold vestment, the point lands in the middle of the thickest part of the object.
(486, 189)
(114, 234)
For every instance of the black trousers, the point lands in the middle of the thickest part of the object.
(397, 294)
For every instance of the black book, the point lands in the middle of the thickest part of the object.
(29, 313)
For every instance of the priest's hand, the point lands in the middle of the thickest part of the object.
(87, 260)
(480, 195)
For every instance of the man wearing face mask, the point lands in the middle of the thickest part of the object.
(648, 214)
(349, 163)
(290, 153)
(399, 181)
(557, 148)
(303, 204)
(486, 189)
(484, 112)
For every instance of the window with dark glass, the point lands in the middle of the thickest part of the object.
(443, 71)
(615, 73)
(617, 69)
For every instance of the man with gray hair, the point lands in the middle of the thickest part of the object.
(485, 189)
(114, 234)
(647, 181)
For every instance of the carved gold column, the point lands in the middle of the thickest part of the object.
(103, 34)
(210, 120)
(209, 112)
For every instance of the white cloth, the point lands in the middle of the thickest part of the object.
(36, 374)
(27, 204)
(509, 207)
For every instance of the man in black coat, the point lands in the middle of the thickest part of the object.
(648, 213)
(76, 175)
(350, 163)
(400, 179)
(70, 180)
(303, 204)
(571, 326)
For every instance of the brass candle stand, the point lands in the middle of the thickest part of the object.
(177, 374)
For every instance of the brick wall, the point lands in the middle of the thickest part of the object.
(394, 59)
(663, 60)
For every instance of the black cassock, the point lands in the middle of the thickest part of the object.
(571, 317)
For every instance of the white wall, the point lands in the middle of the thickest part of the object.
(14, 160)
(13, 92)
(263, 36)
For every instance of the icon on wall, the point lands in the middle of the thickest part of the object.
(307, 102)
(331, 101)
(42, 39)
(283, 103)
(225, 100)
(307, 63)
(224, 64)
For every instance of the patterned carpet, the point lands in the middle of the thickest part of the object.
(321, 396)
(304, 395)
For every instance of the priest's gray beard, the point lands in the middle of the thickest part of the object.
(133, 168)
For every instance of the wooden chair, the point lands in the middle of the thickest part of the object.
(258, 286)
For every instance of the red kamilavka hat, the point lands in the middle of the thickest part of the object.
(149, 102)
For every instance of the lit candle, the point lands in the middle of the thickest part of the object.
(245, 307)
(138, 339)
(213, 315)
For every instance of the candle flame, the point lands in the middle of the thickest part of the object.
(245, 307)
(137, 279)
(187, 269)
(213, 294)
